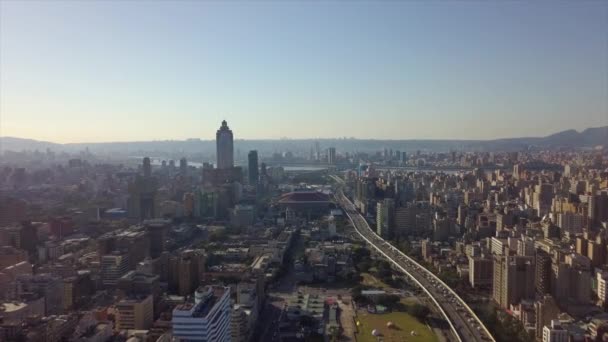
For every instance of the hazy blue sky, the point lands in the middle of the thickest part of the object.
(82, 71)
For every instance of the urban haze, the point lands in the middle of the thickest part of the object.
(177, 171)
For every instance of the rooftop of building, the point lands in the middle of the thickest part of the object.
(134, 299)
(372, 292)
(229, 267)
(139, 276)
(12, 306)
(259, 261)
(92, 331)
(304, 196)
(284, 236)
(336, 212)
(115, 211)
(208, 296)
(18, 265)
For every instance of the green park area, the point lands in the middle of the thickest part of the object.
(401, 330)
(369, 280)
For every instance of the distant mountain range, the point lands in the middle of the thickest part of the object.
(589, 138)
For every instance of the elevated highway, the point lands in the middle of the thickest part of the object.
(464, 323)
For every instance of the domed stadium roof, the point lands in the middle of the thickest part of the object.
(304, 197)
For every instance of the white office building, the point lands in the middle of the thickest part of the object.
(208, 319)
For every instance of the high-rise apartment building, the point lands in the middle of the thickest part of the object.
(442, 228)
(571, 280)
(224, 147)
(499, 246)
(157, 232)
(596, 251)
(545, 310)
(385, 218)
(517, 170)
(190, 266)
(245, 311)
(77, 289)
(597, 209)
(207, 319)
(525, 246)
(571, 222)
(113, 267)
(426, 247)
(543, 272)
(253, 167)
(238, 330)
(582, 245)
(480, 271)
(513, 279)
(134, 242)
(555, 332)
(405, 220)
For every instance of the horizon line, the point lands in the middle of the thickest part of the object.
(310, 138)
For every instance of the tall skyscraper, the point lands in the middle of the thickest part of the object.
(225, 148)
(403, 158)
(183, 166)
(147, 167)
(253, 167)
(331, 155)
(142, 194)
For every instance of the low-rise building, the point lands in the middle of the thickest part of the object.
(135, 313)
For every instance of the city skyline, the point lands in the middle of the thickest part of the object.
(380, 171)
(97, 72)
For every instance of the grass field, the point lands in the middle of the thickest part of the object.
(404, 324)
(410, 300)
(370, 280)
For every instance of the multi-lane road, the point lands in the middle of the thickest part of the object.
(465, 325)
